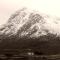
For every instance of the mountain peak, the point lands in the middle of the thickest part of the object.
(26, 22)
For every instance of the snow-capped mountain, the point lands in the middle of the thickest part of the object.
(29, 23)
(30, 29)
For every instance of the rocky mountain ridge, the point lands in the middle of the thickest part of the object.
(25, 23)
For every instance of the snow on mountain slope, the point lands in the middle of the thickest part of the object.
(31, 23)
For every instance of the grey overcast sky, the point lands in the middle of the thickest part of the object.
(7, 7)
